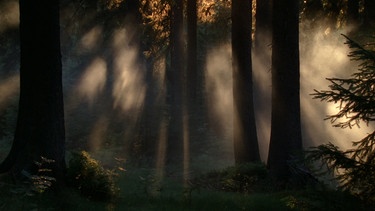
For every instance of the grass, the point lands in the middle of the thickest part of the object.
(141, 190)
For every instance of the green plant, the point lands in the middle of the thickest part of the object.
(244, 178)
(353, 168)
(40, 182)
(89, 176)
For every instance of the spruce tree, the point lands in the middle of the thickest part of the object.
(355, 167)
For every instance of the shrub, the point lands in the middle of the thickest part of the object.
(89, 176)
(244, 178)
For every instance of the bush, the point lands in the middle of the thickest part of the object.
(244, 178)
(88, 175)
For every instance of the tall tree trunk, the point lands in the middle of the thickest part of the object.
(353, 13)
(285, 117)
(245, 135)
(192, 51)
(369, 14)
(175, 81)
(40, 130)
(263, 25)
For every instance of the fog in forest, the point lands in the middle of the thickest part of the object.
(108, 88)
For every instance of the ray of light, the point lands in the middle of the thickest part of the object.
(219, 88)
(98, 133)
(325, 56)
(8, 88)
(160, 155)
(186, 146)
(90, 40)
(219, 96)
(129, 88)
(93, 80)
(9, 15)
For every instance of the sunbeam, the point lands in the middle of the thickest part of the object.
(8, 88)
(98, 133)
(219, 88)
(129, 88)
(91, 39)
(324, 56)
(9, 15)
(186, 145)
(93, 80)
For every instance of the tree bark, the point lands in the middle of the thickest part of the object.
(192, 51)
(353, 13)
(244, 135)
(40, 130)
(369, 14)
(263, 25)
(285, 118)
(174, 149)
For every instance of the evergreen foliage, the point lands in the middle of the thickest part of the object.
(354, 168)
(89, 176)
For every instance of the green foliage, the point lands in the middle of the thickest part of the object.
(41, 181)
(244, 178)
(354, 168)
(87, 174)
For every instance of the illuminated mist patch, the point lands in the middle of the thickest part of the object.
(93, 80)
(219, 86)
(90, 40)
(129, 87)
(9, 15)
(98, 133)
(324, 56)
(186, 146)
(262, 86)
(219, 90)
(8, 88)
(161, 152)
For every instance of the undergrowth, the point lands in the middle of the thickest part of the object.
(91, 178)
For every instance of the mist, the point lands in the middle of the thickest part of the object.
(323, 54)
(109, 86)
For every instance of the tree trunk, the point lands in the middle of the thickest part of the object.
(175, 81)
(353, 13)
(285, 118)
(245, 135)
(369, 14)
(40, 130)
(192, 51)
(263, 25)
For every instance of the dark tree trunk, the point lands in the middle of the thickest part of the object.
(369, 13)
(174, 149)
(353, 13)
(192, 51)
(40, 128)
(245, 135)
(313, 10)
(285, 117)
(263, 25)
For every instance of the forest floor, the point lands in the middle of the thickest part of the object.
(144, 189)
(173, 196)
